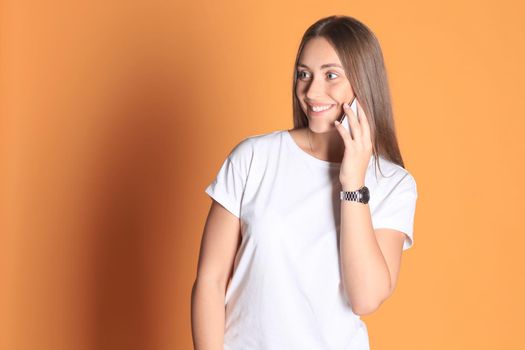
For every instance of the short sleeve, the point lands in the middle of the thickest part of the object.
(228, 186)
(397, 210)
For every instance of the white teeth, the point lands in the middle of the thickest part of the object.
(321, 108)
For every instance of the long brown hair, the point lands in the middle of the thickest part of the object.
(360, 53)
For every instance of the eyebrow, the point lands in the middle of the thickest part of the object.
(323, 66)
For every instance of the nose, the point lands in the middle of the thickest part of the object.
(314, 89)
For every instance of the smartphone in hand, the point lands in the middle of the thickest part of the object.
(344, 117)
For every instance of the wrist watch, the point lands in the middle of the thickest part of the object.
(361, 195)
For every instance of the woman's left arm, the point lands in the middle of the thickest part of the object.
(370, 259)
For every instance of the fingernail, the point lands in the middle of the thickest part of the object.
(346, 105)
(336, 122)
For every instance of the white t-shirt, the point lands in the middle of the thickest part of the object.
(286, 291)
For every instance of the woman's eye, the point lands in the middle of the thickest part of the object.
(304, 74)
(300, 74)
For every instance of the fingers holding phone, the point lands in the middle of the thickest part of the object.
(344, 117)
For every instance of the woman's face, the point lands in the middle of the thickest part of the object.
(321, 82)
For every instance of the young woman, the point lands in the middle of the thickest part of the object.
(304, 235)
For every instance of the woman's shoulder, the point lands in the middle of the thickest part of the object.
(249, 143)
(264, 137)
(391, 175)
(255, 143)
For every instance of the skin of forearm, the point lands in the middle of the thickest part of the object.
(207, 315)
(365, 274)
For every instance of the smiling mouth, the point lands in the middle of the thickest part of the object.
(320, 109)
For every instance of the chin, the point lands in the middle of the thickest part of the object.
(321, 126)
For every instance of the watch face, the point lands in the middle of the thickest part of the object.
(366, 195)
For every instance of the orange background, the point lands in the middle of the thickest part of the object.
(115, 117)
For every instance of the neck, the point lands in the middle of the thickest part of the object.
(326, 145)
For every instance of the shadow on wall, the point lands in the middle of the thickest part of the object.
(130, 213)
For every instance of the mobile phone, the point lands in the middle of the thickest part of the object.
(344, 118)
